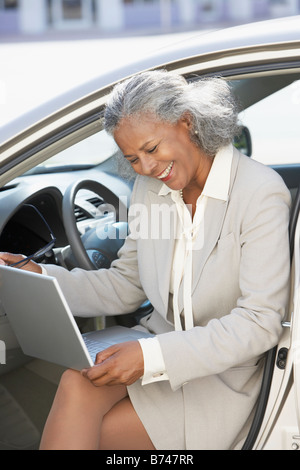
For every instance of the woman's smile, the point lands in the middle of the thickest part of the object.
(167, 173)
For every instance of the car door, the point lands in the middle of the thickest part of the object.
(295, 345)
(273, 124)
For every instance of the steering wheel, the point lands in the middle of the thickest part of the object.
(98, 247)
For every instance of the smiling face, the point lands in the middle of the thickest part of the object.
(164, 151)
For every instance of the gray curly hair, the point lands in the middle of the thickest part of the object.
(169, 96)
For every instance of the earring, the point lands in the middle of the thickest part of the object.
(196, 132)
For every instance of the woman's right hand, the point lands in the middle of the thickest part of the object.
(6, 259)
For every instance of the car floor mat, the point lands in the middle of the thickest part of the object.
(16, 430)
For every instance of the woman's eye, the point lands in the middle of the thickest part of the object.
(153, 149)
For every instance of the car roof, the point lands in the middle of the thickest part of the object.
(275, 31)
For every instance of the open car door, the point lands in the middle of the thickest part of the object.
(296, 330)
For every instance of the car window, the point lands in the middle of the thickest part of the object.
(274, 125)
(89, 152)
(273, 122)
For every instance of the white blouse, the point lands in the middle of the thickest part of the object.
(190, 237)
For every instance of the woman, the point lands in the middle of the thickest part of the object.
(213, 261)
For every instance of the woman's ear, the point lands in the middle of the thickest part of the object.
(187, 119)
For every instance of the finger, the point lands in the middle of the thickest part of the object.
(104, 379)
(9, 258)
(105, 354)
(97, 376)
(111, 350)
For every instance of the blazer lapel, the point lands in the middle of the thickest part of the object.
(163, 245)
(212, 225)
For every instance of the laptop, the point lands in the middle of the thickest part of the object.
(44, 325)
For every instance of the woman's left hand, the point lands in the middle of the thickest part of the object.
(120, 364)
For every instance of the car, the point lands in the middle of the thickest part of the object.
(59, 177)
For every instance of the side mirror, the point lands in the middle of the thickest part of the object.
(244, 142)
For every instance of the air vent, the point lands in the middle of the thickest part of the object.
(84, 211)
(80, 214)
(96, 201)
(8, 187)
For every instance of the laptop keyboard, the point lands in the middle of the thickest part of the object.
(95, 346)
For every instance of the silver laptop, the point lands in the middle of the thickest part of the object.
(44, 325)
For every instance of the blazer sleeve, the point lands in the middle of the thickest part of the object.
(112, 291)
(254, 325)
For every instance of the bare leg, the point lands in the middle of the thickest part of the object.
(82, 416)
(123, 430)
(75, 418)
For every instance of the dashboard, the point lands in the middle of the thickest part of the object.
(22, 229)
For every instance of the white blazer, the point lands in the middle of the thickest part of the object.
(240, 293)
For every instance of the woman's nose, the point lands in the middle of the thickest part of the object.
(148, 165)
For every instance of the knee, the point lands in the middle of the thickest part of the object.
(72, 382)
(70, 378)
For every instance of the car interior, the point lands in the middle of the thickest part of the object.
(82, 190)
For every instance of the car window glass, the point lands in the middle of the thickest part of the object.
(274, 124)
(90, 151)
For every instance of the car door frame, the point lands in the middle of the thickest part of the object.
(84, 118)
